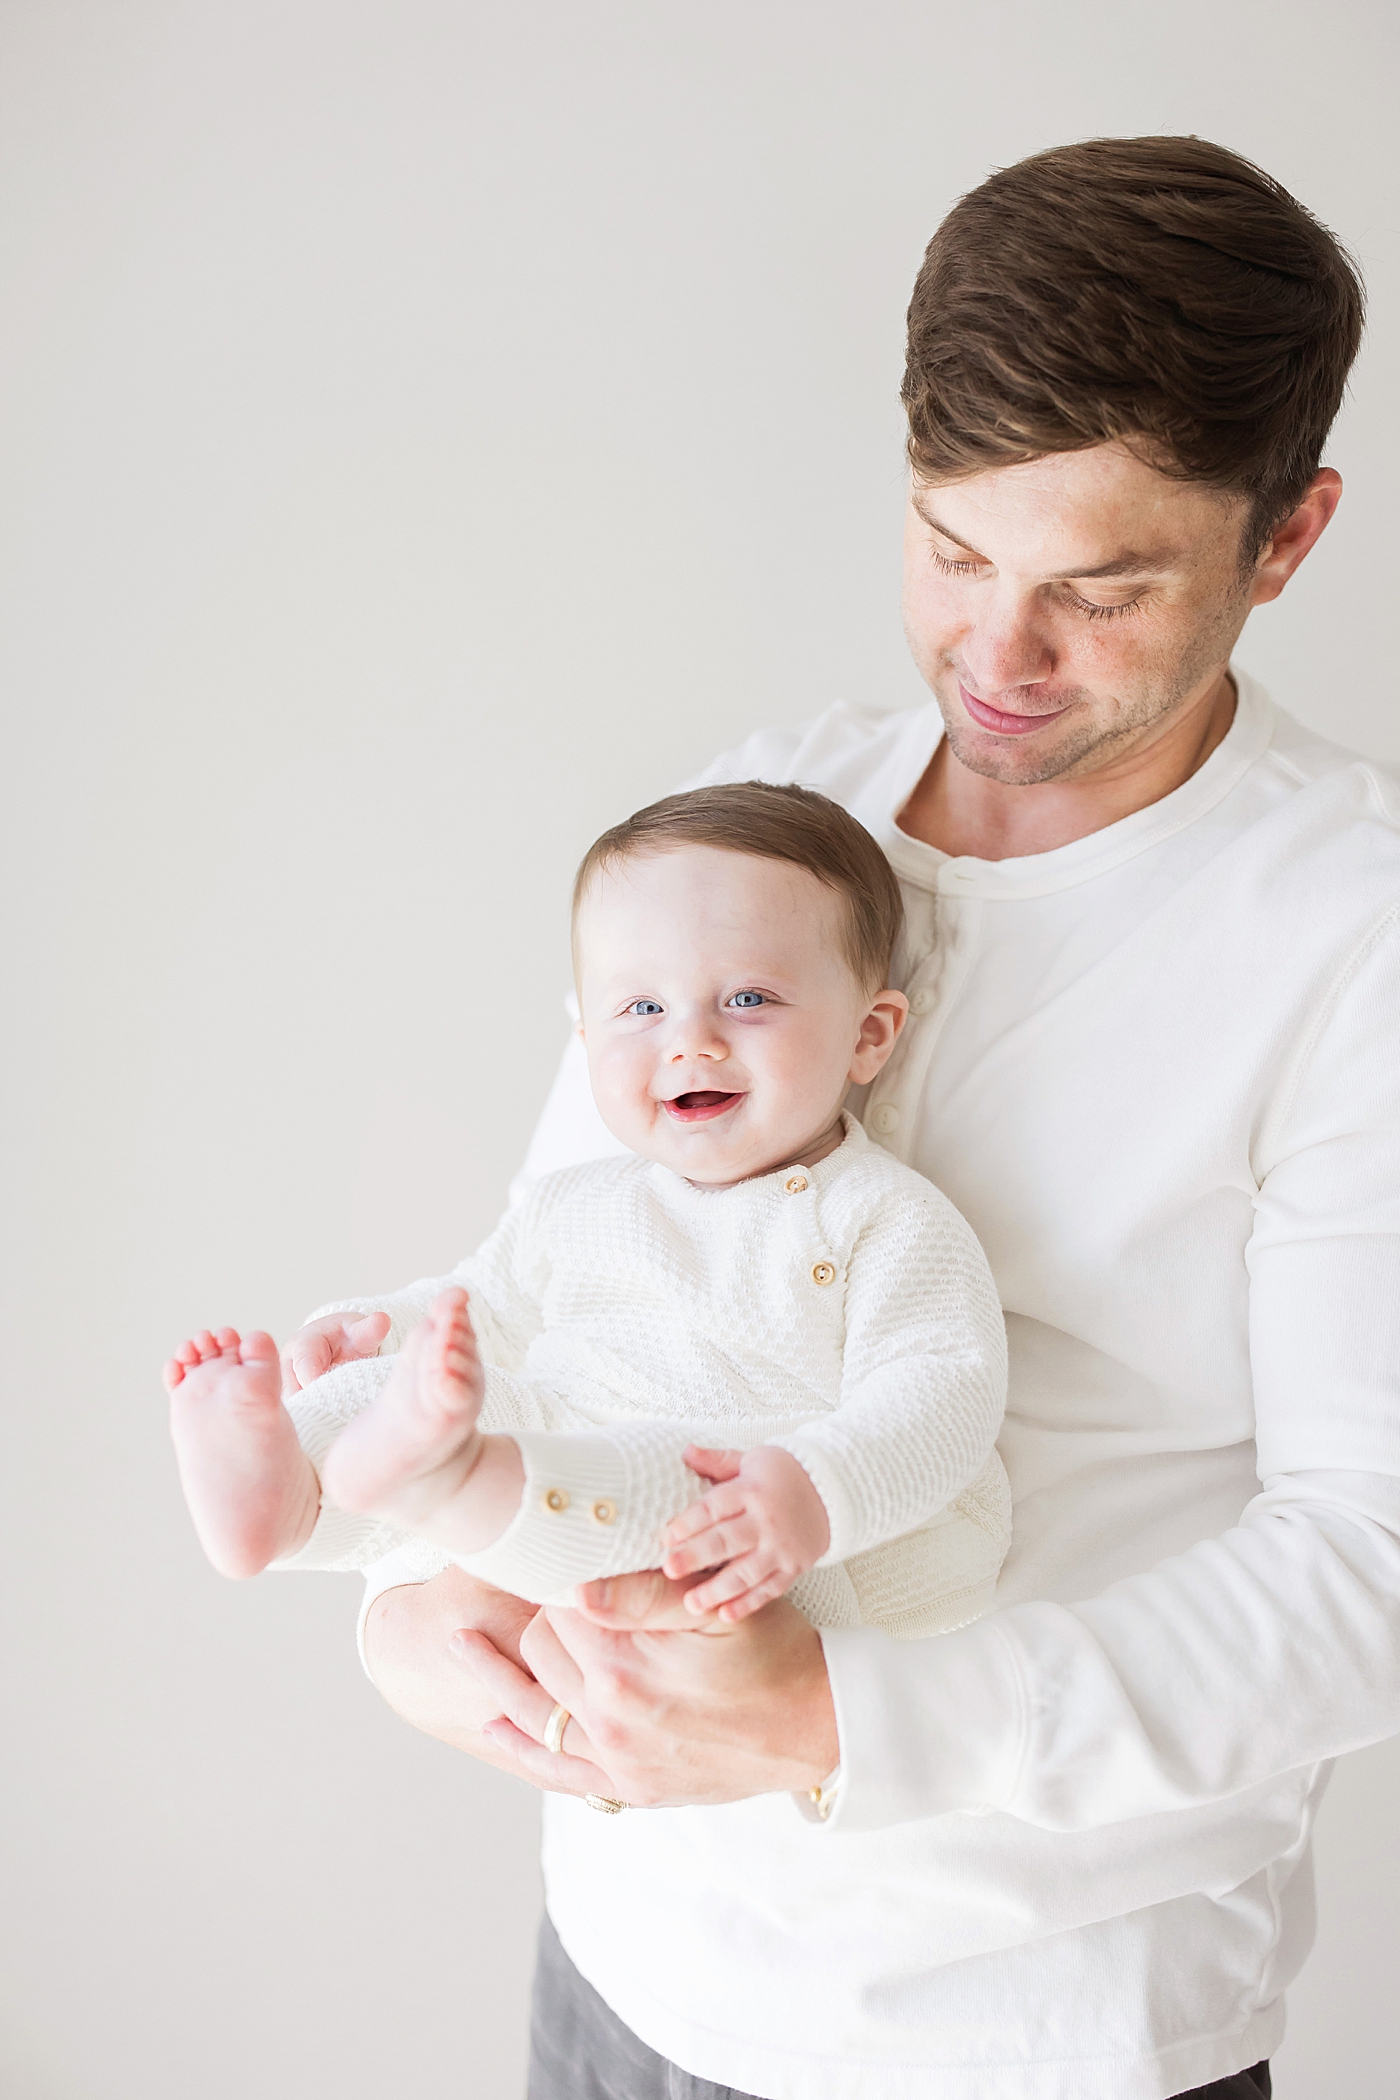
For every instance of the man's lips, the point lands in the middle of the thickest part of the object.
(1004, 724)
(699, 1107)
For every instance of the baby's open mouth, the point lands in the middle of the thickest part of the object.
(699, 1107)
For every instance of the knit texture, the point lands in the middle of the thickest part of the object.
(843, 1311)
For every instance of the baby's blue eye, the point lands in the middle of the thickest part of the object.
(747, 999)
(644, 1006)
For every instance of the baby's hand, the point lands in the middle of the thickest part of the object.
(338, 1338)
(764, 1521)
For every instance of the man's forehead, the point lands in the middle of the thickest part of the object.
(1075, 515)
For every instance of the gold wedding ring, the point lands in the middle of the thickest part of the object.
(605, 1804)
(554, 1728)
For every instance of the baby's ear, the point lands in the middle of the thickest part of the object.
(879, 1031)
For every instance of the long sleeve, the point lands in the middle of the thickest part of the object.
(1254, 1654)
(923, 1385)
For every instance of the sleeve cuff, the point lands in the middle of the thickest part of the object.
(926, 1728)
(591, 1505)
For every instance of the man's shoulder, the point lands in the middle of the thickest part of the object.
(1318, 815)
(1311, 760)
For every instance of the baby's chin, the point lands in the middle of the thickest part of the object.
(714, 1145)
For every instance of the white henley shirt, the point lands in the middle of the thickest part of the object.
(1158, 1070)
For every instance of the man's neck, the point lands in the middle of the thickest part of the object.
(966, 814)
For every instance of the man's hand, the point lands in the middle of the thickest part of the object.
(664, 1713)
(761, 1526)
(338, 1338)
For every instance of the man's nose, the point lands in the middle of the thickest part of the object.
(1007, 646)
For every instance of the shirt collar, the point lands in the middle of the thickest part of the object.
(1038, 874)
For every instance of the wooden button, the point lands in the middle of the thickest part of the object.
(555, 1499)
(795, 1184)
(822, 1272)
(604, 1512)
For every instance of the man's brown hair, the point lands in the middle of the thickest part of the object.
(1159, 291)
(788, 823)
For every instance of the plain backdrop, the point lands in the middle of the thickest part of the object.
(427, 430)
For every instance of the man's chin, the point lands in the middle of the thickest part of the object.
(1025, 761)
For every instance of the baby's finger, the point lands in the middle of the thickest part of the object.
(709, 1548)
(311, 1358)
(710, 1463)
(752, 1600)
(727, 1501)
(754, 1572)
(364, 1336)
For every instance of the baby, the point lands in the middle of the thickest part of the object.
(757, 1351)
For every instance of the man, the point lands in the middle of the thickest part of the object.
(1153, 959)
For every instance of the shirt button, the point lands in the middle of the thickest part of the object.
(920, 1002)
(604, 1512)
(885, 1118)
(822, 1272)
(556, 1500)
(795, 1184)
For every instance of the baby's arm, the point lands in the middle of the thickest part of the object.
(761, 1526)
(923, 1385)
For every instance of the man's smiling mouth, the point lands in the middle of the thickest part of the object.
(700, 1107)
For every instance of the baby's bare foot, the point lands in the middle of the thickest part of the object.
(251, 1489)
(410, 1453)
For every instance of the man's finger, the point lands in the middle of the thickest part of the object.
(635, 1603)
(555, 1670)
(526, 1706)
(523, 1699)
(562, 1774)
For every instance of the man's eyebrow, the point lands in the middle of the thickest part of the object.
(1129, 563)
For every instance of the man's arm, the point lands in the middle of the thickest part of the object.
(1269, 1649)
(660, 1715)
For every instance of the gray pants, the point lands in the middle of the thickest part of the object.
(581, 2051)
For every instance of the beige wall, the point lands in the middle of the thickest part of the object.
(428, 428)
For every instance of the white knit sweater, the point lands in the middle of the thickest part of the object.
(843, 1311)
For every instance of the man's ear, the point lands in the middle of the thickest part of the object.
(879, 1032)
(1296, 536)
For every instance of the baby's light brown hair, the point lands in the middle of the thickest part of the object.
(773, 822)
